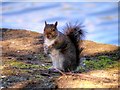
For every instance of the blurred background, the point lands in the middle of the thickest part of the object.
(100, 19)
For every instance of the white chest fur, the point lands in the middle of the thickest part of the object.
(56, 56)
(49, 42)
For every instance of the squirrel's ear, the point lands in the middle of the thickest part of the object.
(56, 23)
(45, 23)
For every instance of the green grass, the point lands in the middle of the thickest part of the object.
(41, 57)
(23, 65)
(102, 62)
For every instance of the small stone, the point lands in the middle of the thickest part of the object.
(3, 76)
(18, 51)
(43, 64)
(1, 88)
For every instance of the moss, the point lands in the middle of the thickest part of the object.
(22, 65)
(41, 56)
(38, 77)
(14, 67)
(26, 70)
(48, 66)
(12, 71)
(102, 62)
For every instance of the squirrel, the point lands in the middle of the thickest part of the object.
(63, 48)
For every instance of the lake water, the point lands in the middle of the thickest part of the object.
(100, 19)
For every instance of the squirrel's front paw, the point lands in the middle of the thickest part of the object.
(50, 47)
(46, 50)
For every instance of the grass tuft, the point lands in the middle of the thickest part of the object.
(102, 62)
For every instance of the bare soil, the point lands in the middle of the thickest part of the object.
(25, 66)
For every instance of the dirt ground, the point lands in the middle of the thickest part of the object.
(25, 66)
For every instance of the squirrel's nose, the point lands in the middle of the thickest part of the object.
(47, 36)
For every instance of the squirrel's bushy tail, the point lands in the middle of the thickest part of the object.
(75, 33)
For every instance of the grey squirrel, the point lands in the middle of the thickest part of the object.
(63, 48)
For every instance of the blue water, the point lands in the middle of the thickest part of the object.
(100, 19)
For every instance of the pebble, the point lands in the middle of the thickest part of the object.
(3, 76)
(1, 88)
(18, 51)
(43, 64)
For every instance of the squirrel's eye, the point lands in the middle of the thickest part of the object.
(53, 29)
